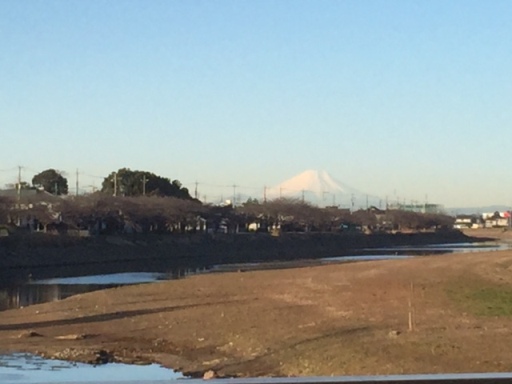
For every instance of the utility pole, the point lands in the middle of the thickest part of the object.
(76, 193)
(195, 191)
(19, 183)
(115, 183)
(144, 181)
(234, 195)
(352, 200)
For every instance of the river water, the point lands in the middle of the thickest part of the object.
(35, 291)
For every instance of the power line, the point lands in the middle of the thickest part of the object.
(8, 169)
(94, 176)
(239, 191)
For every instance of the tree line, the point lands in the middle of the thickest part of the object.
(103, 213)
(141, 201)
(123, 182)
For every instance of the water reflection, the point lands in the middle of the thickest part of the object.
(29, 294)
(365, 258)
(48, 290)
(26, 368)
(109, 279)
(445, 248)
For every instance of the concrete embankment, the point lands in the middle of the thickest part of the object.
(40, 250)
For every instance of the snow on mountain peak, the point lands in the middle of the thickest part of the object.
(314, 186)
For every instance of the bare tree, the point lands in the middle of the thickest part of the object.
(6, 204)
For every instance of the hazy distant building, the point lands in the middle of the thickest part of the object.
(419, 208)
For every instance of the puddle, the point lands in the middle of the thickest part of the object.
(26, 368)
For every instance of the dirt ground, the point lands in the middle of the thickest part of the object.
(502, 234)
(430, 314)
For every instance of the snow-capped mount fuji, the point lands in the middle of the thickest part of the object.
(320, 188)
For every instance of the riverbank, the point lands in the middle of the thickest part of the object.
(32, 251)
(498, 234)
(347, 319)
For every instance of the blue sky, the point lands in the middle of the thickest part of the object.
(392, 97)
